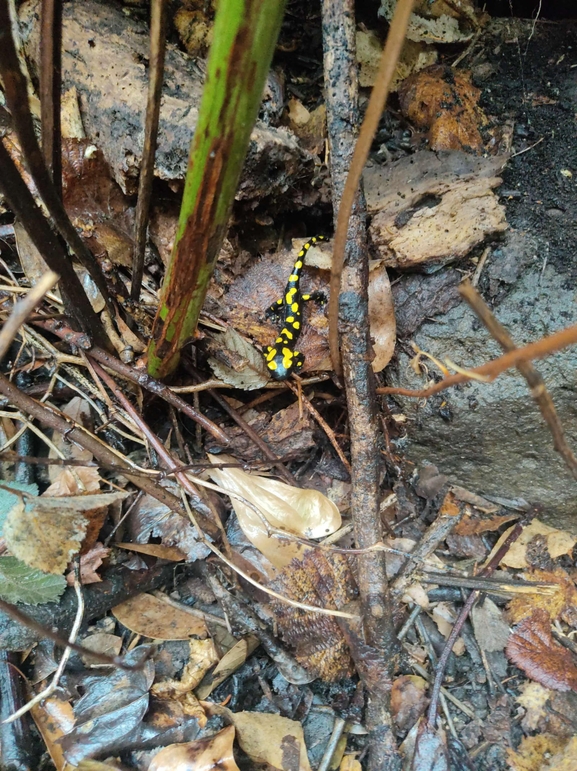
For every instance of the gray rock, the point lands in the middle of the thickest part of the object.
(496, 441)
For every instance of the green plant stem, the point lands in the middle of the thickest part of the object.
(245, 34)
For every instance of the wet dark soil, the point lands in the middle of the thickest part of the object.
(534, 84)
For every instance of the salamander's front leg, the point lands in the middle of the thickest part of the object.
(318, 297)
(275, 310)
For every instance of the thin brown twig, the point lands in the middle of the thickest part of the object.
(537, 350)
(187, 485)
(249, 431)
(139, 377)
(324, 425)
(23, 308)
(14, 87)
(379, 94)
(81, 436)
(534, 380)
(50, 87)
(458, 625)
(158, 13)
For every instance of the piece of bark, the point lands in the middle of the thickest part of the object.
(105, 57)
(432, 208)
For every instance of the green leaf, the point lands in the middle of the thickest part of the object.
(8, 500)
(19, 583)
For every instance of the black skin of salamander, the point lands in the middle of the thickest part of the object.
(282, 359)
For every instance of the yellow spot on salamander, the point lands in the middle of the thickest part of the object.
(306, 297)
(293, 277)
(294, 307)
(287, 353)
(297, 325)
(298, 264)
(271, 354)
(307, 246)
(290, 319)
(279, 340)
(287, 334)
(272, 365)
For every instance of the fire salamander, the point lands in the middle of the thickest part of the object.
(281, 358)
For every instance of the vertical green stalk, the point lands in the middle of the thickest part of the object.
(244, 38)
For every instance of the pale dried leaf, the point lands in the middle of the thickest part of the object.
(54, 718)
(171, 553)
(101, 642)
(532, 752)
(306, 513)
(272, 739)
(491, 629)
(151, 617)
(200, 755)
(229, 663)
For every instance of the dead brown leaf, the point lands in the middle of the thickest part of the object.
(532, 752)
(89, 564)
(558, 604)
(408, 700)
(408, 229)
(46, 533)
(200, 755)
(531, 647)
(491, 629)
(470, 525)
(444, 101)
(151, 617)
(154, 550)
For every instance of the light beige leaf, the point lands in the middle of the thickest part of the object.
(491, 629)
(271, 739)
(533, 698)
(101, 642)
(46, 533)
(200, 755)
(242, 365)
(305, 513)
(382, 321)
(559, 542)
(151, 617)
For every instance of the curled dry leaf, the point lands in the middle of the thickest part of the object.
(229, 663)
(200, 755)
(236, 362)
(532, 648)
(304, 513)
(151, 617)
(443, 101)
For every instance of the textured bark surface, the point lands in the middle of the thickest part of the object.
(342, 122)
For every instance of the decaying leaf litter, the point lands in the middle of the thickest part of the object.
(231, 658)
